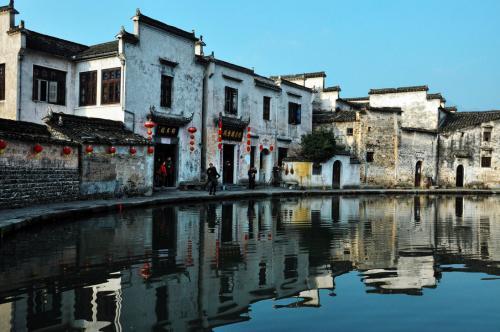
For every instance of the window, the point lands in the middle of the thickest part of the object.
(231, 101)
(49, 85)
(266, 112)
(316, 169)
(369, 157)
(485, 162)
(166, 91)
(486, 134)
(110, 84)
(294, 117)
(2, 81)
(350, 131)
(88, 88)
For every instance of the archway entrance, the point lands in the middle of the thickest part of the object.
(418, 174)
(337, 166)
(265, 166)
(460, 176)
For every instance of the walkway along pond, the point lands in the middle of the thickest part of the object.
(297, 263)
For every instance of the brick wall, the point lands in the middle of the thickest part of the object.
(27, 178)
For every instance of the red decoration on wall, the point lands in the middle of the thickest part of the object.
(3, 145)
(192, 130)
(249, 142)
(220, 146)
(112, 150)
(66, 150)
(132, 150)
(261, 147)
(249, 135)
(191, 148)
(191, 143)
(89, 149)
(271, 148)
(151, 149)
(191, 136)
(37, 148)
(249, 149)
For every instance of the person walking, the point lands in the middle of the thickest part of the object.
(252, 171)
(213, 177)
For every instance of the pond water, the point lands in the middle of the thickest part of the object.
(379, 263)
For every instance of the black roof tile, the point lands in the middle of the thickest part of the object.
(322, 117)
(399, 90)
(104, 49)
(459, 120)
(93, 130)
(165, 27)
(300, 76)
(27, 131)
(52, 45)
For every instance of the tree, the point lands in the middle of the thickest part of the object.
(318, 146)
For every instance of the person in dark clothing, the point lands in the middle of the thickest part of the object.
(276, 175)
(252, 171)
(170, 172)
(213, 177)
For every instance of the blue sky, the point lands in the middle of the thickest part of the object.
(451, 45)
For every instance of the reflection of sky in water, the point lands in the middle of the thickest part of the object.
(383, 263)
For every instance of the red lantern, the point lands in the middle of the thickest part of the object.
(3, 144)
(191, 136)
(249, 135)
(248, 142)
(192, 130)
(132, 150)
(261, 147)
(249, 149)
(191, 148)
(89, 149)
(191, 142)
(249, 129)
(112, 150)
(271, 148)
(37, 148)
(149, 124)
(67, 150)
(151, 150)
(220, 146)
(220, 131)
(220, 139)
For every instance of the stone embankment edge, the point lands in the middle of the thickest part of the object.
(18, 223)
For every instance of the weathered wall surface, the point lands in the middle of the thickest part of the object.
(106, 175)
(414, 147)
(466, 147)
(304, 177)
(27, 178)
(143, 72)
(11, 45)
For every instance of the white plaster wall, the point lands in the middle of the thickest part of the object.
(104, 111)
(143, 82)
(418, 112)
(11, 45)
(414, 147)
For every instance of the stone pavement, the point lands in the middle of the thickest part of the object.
(15, 219)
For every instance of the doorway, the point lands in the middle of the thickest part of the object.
(265, 165)
(228, 164)
(418, 174)
(282, 154)
(460, 176)
(337, 169)
(166, 153)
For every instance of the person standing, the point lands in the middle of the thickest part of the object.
(252, 171)
(163, 174)
(170, 172)
(276, 175)
(213, 177)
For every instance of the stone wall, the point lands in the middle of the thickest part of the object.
(466, 147)
(416, 147)
(121, 174)
(27, 178)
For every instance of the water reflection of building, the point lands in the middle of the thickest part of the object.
(177, 268)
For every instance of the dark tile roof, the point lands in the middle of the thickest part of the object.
(93, 130)
(165, 27)
(52, 45)
(266, 83)
(232, 123)
(460, 120)
(449, 109)
(419, 130)
(104, 49)
(26, 131)
(399, 90)
(170, 119)
(332, 89)
(385, 109)
(357, 106)
(293, 85)
(9, 7)
(321, 117)
(357, 98)
(127, 36)
(300, 76)
(431, 96)
(232, 66)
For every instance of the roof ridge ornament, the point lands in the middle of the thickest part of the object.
(137, 12)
